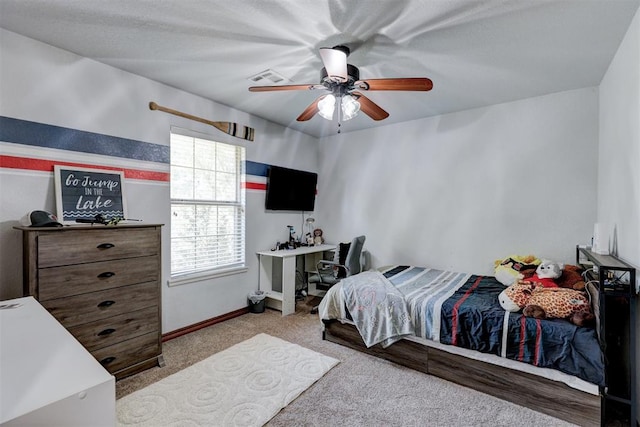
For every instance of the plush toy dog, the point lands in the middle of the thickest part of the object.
(546, 273)
(551, 274)
(542, 302)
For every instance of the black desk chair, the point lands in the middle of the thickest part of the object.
(328, 273)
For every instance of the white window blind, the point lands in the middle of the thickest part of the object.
(207, 206)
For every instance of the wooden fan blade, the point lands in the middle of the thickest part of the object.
(311, 110)
(285, 87)
(370, 108)
(409, 83)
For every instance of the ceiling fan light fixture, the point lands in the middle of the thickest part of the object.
(327, 106)
(350, 107)
(335, 62)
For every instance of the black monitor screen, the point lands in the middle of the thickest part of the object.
(290, 189)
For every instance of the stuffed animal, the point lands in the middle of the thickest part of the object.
(546, 273)
(547, 303)
(317, 237)
(309, 239)
(556, 275)
(571, 278)
(515, 267)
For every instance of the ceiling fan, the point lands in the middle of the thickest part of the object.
(343, 83)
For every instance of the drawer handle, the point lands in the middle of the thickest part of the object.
(105, 246)
(106, 275)
(107, 303)
(106, 332)
(107, 360)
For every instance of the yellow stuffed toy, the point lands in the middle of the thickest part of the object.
(515, 267)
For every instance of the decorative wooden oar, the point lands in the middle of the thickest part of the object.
(233, 129)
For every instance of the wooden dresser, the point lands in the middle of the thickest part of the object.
(103, 284)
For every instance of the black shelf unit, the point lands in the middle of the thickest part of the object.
(616, 303)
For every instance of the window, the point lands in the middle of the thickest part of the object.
(207, 207)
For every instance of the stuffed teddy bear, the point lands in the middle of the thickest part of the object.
(317, 237)
(547, 303)
(556, 275)
(515, 267)
(571, 278)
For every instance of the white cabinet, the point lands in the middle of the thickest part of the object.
(47, 378)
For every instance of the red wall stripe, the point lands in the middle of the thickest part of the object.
(13, 162)
(255, 186)
(259, 186)
(28, 163)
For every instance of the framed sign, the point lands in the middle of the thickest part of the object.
(83, 193)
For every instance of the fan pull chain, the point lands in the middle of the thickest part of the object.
(339, 101)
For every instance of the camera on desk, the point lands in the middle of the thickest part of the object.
(285, 246)
(290, 245)
(280, 246)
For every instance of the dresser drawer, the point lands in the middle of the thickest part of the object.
(82, 246)
(103, 333)
(84, 308)
(127, 353)
(57, 282)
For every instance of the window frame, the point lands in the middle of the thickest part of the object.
(239, 265)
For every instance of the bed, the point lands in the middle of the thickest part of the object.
(451, 325)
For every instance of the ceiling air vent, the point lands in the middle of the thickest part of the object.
(267, 76)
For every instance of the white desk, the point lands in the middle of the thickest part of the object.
(284, 301)
(48, 377)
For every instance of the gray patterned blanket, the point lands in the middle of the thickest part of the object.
(378, 309)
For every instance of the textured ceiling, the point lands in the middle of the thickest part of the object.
(476, 52)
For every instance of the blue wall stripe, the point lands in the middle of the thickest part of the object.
(256, 168)
(49, 136)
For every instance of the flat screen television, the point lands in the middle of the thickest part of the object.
(290, 189)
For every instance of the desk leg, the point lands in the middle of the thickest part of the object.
(288, 285)
(274, 299)
(265, 281)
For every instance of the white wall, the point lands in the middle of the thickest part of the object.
(461, 190)
(619, 154)
(619, 151)
(44, 84)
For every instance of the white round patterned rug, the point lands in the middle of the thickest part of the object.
(244, 385)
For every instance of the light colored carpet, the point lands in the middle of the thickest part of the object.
(361, 390)
(244, 385)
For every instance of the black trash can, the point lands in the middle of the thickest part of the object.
(257, 302)
(257, 307)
